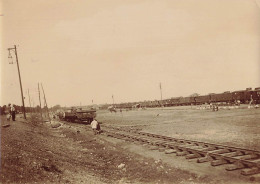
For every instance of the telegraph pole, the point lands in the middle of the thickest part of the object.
(34, 110)
(161, 90)
(161, 94)
(21, 87)
(45, 102)
(30, 101)
(113, 100)
(40, 101)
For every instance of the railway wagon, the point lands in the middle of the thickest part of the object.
(126, 105)
(241, 95)
(68, 115)
(150, 104)
(104, 106)
(249, 94)
(222, 97)
(186, 100)
(145, 104)
(85, 116)
(256, 95)
(159, 103)
(167, 103)
(202, 99)
(155, 103)
(163, 103)
(78, 115)
(121, 106)
(192, 100)
(174, 101)
(132, 104)
(245, 96)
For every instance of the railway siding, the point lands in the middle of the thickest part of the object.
(248, 161)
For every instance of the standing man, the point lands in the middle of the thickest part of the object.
(95, 126)
(13, 112)
(8, 112)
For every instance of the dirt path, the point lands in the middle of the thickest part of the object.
(33, 152)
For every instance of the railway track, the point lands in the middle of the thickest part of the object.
(248, 161)
(245, 160)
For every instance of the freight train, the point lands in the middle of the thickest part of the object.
(241, 96)
(78, 115)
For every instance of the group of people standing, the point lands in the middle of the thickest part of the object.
(10, 112)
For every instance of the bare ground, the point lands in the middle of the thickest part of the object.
(34, 152)
(235, 127)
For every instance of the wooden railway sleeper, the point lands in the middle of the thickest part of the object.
(207, 149)
(139, 139)
(257, 162)
(145, 140)
(250, 171)
(235, 166)
(152, 138)
(187, 148)
(206, 158)
(171, 145)
(193, 155)
(175, 148)
(219, 162)
(232, 154)
(169, 151)
(161, 143)
(136, 139)
(161, 149)
(219, 151)
(247, 157)
(168, 138)
(182, 153)
(157, 143)
(166, 145)
(191, 147)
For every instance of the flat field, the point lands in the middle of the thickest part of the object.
(234, 127)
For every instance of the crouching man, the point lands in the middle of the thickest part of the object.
(95, 127)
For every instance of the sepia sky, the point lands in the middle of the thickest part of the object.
(90, 49)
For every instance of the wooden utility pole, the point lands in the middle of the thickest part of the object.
(21, 87)
(161, 90)
(29, 100)
(45, 102)
(33, 105)
(40, 101)
(113, 100)
(161, 94)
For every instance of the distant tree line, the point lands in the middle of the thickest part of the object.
(37, 109)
